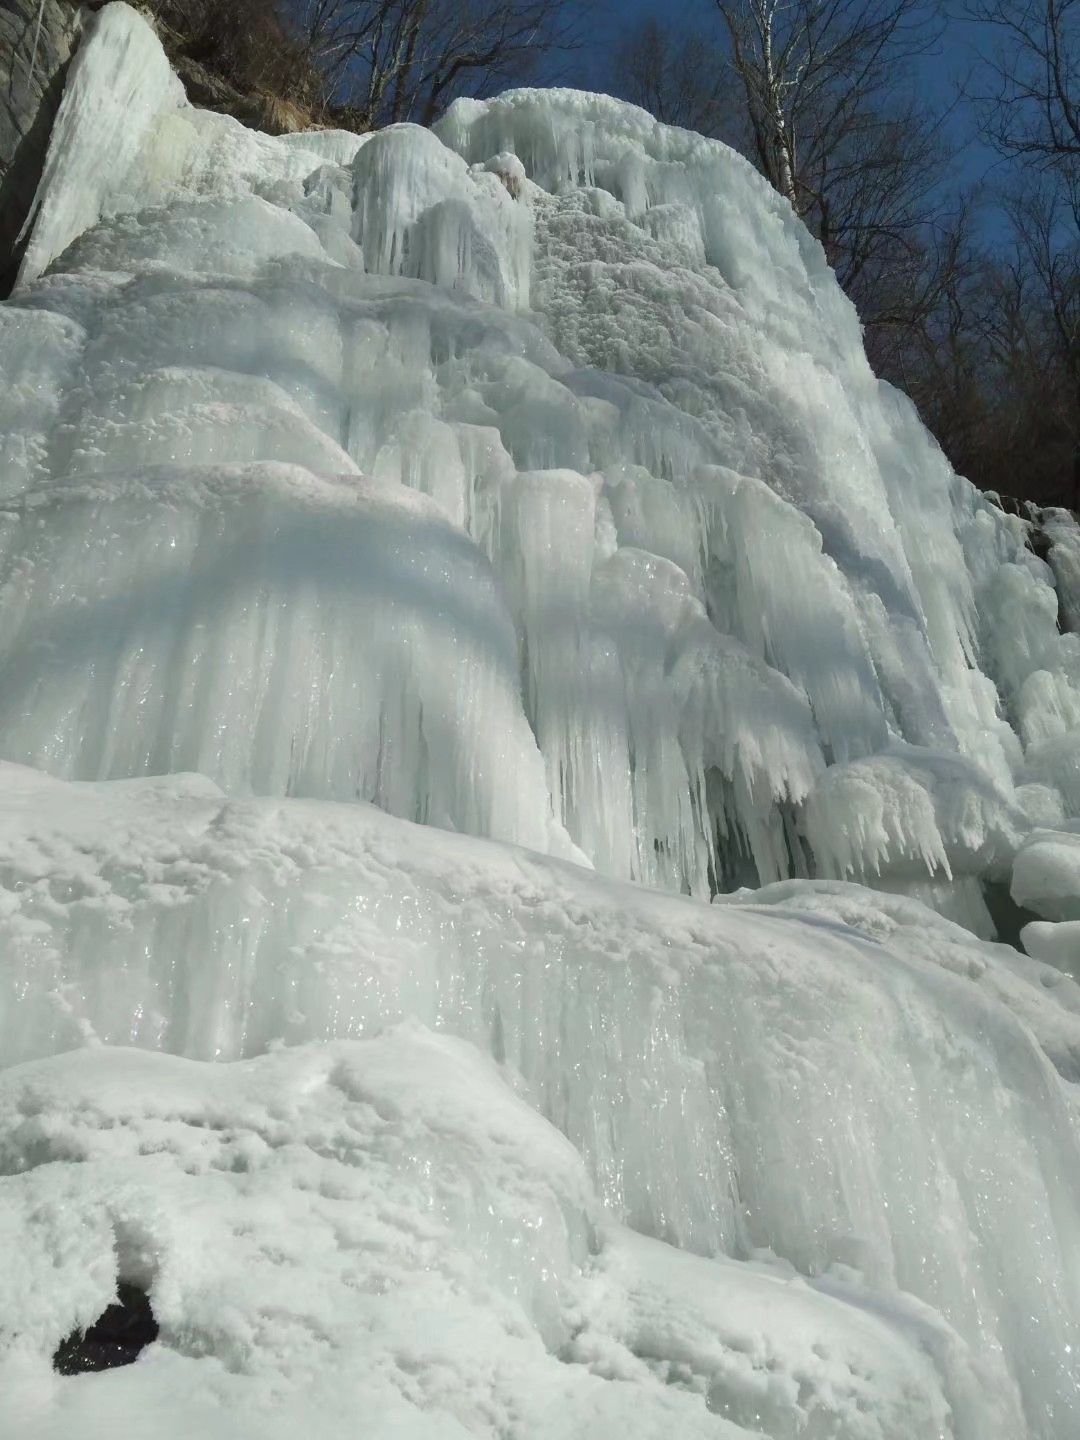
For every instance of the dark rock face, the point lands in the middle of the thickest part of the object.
(209, 91)
(28, 106)
(116, 1338)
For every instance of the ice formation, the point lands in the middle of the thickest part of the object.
(834, 1086)
(524, 478)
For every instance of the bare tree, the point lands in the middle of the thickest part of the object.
(876, 204)
(915, 297)
(941, 356)
(1027, 100)
(815, 93)
(681, 77)
(247, 44)
(984, 337)
(994, 366)
(816, 72)
(834, 123)
(1029, 103)
(1047, 245)
(391, 60)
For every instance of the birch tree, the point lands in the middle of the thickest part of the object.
(815, 74)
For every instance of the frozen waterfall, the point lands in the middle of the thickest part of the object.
(524, 777)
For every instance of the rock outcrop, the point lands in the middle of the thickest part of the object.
(33, 62)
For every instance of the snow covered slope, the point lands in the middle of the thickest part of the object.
(860, 1100)
(524, 479)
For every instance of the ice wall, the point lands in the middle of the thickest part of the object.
(284, 633)
(735, 565)
(118, 85)
(524, 478)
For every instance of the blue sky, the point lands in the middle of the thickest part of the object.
(606, 20)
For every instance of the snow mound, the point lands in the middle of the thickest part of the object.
(863, 1097)
(382, 1227)
(1046, 873)
(1058, 945)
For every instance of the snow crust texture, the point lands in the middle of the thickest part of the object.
(525, 479)
(852, 1099)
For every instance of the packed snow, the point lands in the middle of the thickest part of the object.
(540, 826)
(851, 1095)
(381, 1233)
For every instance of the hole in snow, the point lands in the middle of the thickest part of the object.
(115, 1338)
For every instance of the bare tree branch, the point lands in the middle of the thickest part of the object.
(391, 60)
(1029, 100)
(680, 77)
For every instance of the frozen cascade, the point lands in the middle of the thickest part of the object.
(523, 478)
(1063, 533)
(252, 300)
(356, 631)
(354, 304)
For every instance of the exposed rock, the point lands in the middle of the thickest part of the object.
(117, 1337)
(209, 91)
(204, 88)
(31, 85)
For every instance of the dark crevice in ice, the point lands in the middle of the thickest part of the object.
(117, 1337)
